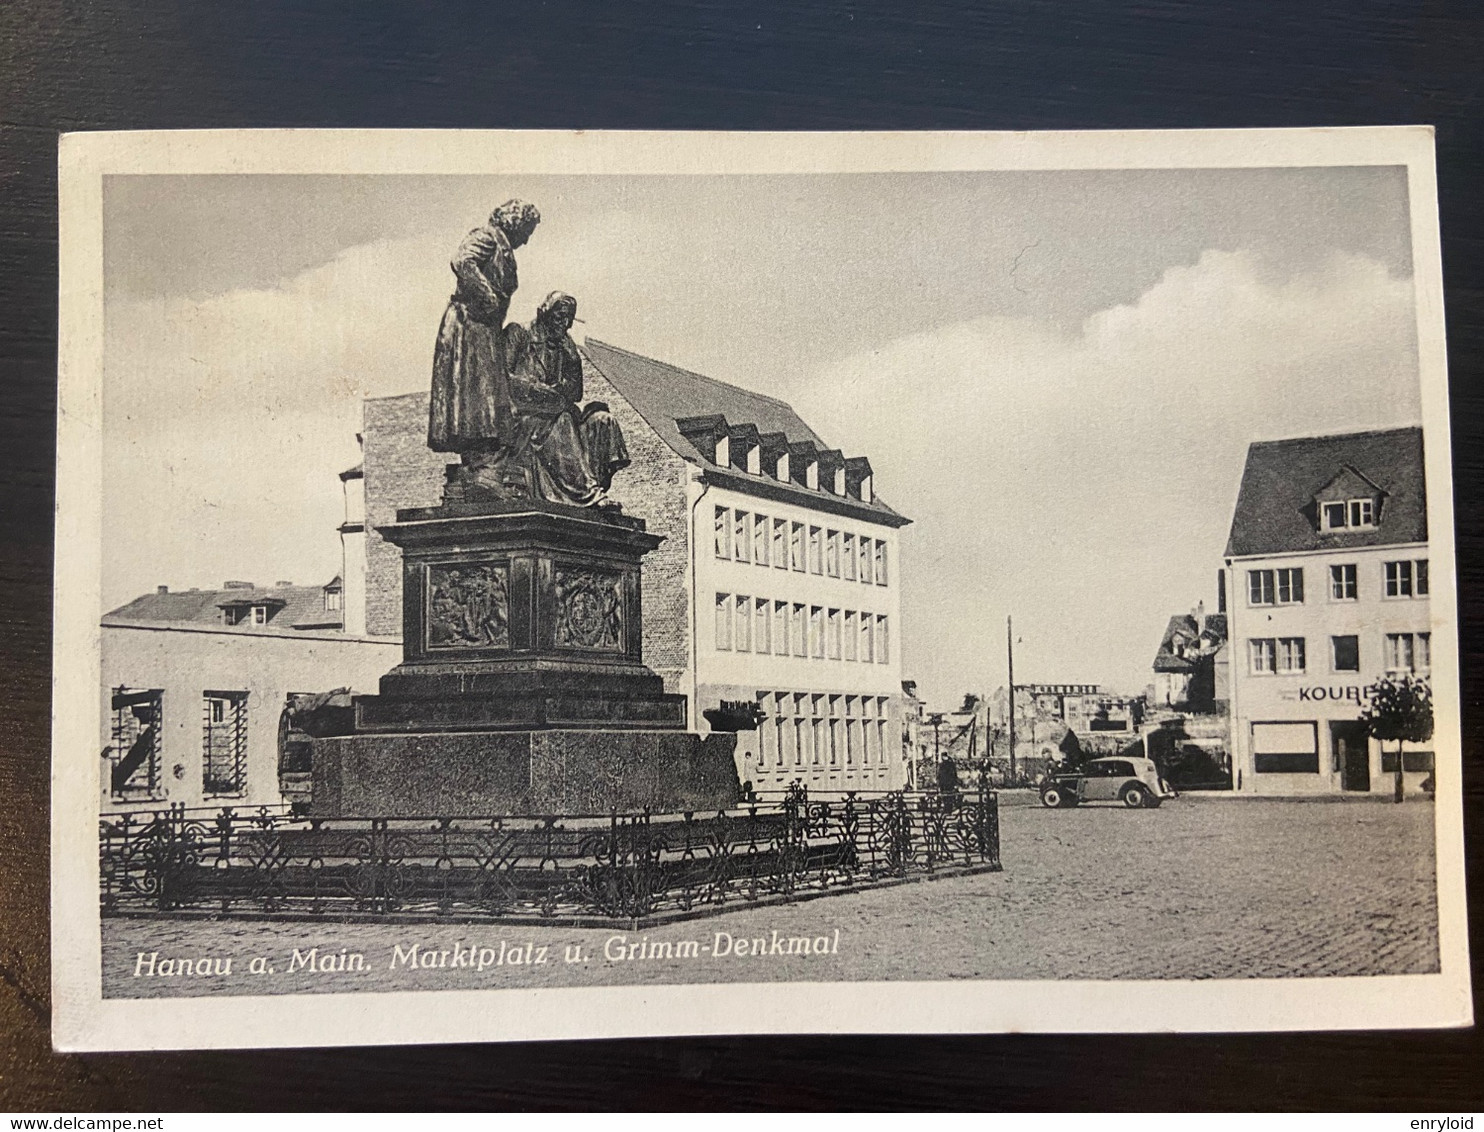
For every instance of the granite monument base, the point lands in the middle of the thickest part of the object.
(544, 772)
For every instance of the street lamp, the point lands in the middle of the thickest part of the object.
(936, 719)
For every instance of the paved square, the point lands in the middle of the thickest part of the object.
(1203, 887)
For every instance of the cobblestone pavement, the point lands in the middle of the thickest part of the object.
(1201, 888)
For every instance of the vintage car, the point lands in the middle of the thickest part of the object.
(1133, 781)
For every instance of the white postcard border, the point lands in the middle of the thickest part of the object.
(83, 1020)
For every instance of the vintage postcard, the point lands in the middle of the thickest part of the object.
(570, 585)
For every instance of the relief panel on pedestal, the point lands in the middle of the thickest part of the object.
(468, 605)
(589, 609)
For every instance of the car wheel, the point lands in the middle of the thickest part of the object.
(1136, 797)
(1052, 798)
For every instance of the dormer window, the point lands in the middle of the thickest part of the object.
(1350, 501)
(1346, 514)
(247, 612)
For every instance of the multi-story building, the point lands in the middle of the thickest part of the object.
(778, 584)
(195, 683)
(1328, 556)
(1192, 668)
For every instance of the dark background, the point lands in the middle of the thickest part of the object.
(1004, 64)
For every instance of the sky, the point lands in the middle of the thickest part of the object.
(1054, 374)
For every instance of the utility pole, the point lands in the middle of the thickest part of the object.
(1010, 649)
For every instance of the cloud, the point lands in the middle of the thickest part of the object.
(1084, 482)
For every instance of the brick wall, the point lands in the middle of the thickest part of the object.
(402, 472)
(652, 488)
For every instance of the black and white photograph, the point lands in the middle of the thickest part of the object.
(529, 585)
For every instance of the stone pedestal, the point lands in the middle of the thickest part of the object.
(487, 773)
(522, 686)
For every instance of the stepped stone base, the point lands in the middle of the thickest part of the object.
(554, 771)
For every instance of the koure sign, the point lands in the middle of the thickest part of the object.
(1324, 693)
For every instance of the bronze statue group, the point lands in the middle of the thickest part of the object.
(506, 397)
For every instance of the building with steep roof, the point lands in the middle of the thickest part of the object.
(1191, 669)
(1328, 555)
(778, 583)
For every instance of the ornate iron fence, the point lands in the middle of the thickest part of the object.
(638, 868)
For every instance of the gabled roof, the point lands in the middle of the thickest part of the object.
(297, 607)
(1350, 483)
(664, 394)
(1276, 511)
(1165, 659)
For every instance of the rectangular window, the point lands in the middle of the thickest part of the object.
(1290, 586)
(1262, 651)
(836, 746)
(1408, 652)
(762, 623)
(1345, 654)
(866, 635)
(1285, 748)
(799, 631)
(224, 742)
(865, 560)
(780, 544)
(724, 621)
(760, 539)
(767, 739)
(816, 551)
(1407, 579)
(816, 632)
(882, 652)
(834, 631)
(1259, 587)
(847, 557)
(723, 532)
(744, 623)
(1338, 515)
(796, 547)
(852, 733)
(1344, 584)
(821, 736)
(1418, 761)
(880, 563)
(742, 536)
(1290, 654)
(332, 601)
(260, 615)
(788, 735)
(780, 627)
(852, 634)
(134, 743)
(832, 553)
